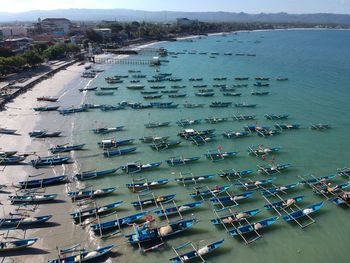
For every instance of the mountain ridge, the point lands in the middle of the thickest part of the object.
(170, 16)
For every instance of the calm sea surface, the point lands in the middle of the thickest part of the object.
(317, 63)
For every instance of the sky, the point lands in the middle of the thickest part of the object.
(248, 6)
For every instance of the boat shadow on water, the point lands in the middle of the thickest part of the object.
(24, 252)
(41, 226)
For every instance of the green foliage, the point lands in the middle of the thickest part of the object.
(11, 64)
(32, 58)
(4, 52)
(60, 50)
(94, 37)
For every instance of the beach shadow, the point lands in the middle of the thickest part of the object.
(45, 225)
(24, 252)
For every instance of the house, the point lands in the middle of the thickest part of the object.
(55, 26)
(18, 44)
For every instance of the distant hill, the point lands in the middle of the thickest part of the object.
(169, 16)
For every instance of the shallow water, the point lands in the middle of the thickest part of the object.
(317, 63)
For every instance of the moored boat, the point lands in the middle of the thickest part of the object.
(85, 213)
(177, 209)
(49, 160)
(66, 148)
(17, 244)
(94, 174)
(303, 212)
(77, 195)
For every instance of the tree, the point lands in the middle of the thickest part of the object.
(93, 36)
(32, 58)
(5, 52)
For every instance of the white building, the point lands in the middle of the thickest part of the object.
(55, 25)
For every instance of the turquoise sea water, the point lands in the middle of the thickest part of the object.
(317, 63)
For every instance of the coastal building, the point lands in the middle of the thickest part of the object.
(54, 26)
(13, 31)
(18, 44)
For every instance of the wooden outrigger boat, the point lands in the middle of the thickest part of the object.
(273, 116)
(196, 253)
(47, 98)
(139, 167)
(278, 189)
(272, 169)
(209, 192)
(194, 179)
(235, 134)
(284, 126)
(43, 134)
(319, 180)
(117, 223)
(50, 160)
(164, 145)
(6, 246)
(46, 108)
(165, 212)
(77, 195)
(118, 152)
(83, 255)
(105, 130)
(283, 204)
(140, 187)
(186, 122)
(112, 143)
(253, 227)
(81, 215)
(156, 200)
(154, 139)
(303, 212)
(31, 198)
(157, 124)
(236, 217)
(177, 161)
(40, 183)
(145, 234)
(229, 199)
(261, 150)
(232, 173)
(218, 155)
(320, 126)
(7, 131)
(11, 160)
(241, 117)
(72, 110)
(23, 221)
(87, 175)
(66, 148)
(250, 184)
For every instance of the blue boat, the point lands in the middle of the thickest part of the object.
(246, 229)
(117, 223)
(231, 199)
(111, 107)
(327, 189)
(279, 189)
(260, 150)
(188, 133)
(187, 122)
(274, 168)
(204, 94)
(83, 255)
(177, 95)
(46, 108)
(177, 209)
(110, 143)
(157, 124)
(341, 199)
(276, 116)
(43, 134)
(11, 160)
(244, 105)
(217, 155)
(216, 190)
(283, 126)
(50, 160)
(23, 221)
(118, 152)
(250, 184)
(233, 218)
(94, 174)
(146, 234)
(200, 252)
(284, 203)
(136, 187)
(138, 167)
(303, 212)
(194, 179)
(105, 130)
(164, 145)
(161, 104)
(161, 199)
(319, 180)
(234, 134)
(76, 195)
(32, 198)
(72, 110)
(176, 161)
(260, 84)
(235, 174)
(81, 215)
(66, 148)
(6, 246)
(219, 104)
(40, 183)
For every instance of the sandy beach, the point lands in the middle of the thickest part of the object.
(20, 115)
